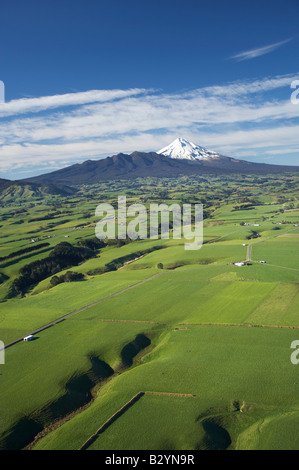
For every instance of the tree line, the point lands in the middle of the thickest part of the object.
(62, 257)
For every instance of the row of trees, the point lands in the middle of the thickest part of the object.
(63, 256)
(24, 251)
(69, 276)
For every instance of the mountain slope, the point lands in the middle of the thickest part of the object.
(119, 166)
(179, 158)
(140, 164)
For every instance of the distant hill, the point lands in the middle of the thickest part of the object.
(141, 164)
(25, 190)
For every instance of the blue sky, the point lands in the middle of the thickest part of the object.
(87, 79)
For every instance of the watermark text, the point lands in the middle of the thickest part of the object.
(136, 221)
(295, 354)
(2, 92)
(295, 94)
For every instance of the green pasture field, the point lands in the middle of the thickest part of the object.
(37, 311)
(281, 251)
(174, 321)
(221, 366)
(85, 335)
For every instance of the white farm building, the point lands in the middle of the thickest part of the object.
(28, 338)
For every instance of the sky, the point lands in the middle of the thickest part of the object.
(88, 79)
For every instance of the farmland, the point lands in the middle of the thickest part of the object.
(205, 341)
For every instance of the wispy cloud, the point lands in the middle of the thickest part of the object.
(46, 133)
(253, 53)
(32, 105)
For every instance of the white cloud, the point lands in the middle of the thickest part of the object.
(253, 53)
(31, 105)
(232, 119)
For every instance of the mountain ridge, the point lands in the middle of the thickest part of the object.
(180, 158)
(141, 164)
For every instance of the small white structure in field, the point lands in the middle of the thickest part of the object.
(239, 264)
(256, 225)
(28, 338)
(263, 262)
(244, 244)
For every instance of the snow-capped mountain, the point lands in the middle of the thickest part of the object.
(183, 149)
(181, 158)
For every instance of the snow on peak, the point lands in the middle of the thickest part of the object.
(183, 149)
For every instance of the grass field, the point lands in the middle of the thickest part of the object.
(221, 366)
(207, 342)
